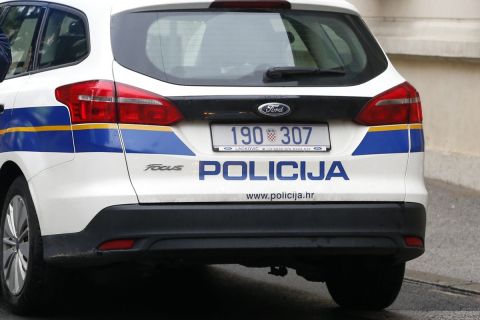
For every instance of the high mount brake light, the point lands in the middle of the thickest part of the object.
(100, 101)
(249, 4)
(399, 105)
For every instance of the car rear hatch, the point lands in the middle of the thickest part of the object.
(255, 101)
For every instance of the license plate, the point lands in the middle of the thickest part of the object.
(271, 137)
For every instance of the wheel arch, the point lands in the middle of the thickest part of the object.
(8, 173)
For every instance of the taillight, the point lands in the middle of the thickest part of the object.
(101, 101)
(399, 105)
(251, 4)
(90, 101)
(137, 106)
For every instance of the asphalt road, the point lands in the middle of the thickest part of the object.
(453, 226)
(234, 292)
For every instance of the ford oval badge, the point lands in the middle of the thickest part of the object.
(274, 109)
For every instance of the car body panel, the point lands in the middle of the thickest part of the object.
(74, 172)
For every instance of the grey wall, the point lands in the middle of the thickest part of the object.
(435, 44)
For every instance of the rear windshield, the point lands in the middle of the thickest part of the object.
(243, 48)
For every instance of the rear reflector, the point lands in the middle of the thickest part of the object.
(415, 242)
(399, 105)
(102, 101)
(124, 244)
(251, 4)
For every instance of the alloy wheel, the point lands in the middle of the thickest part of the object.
(16, 247)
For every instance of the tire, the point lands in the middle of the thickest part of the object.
(23, 252)
(366, 287)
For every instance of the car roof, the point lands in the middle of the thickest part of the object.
(117, 6)
(327, 5)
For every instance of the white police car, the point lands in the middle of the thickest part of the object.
(263, 133)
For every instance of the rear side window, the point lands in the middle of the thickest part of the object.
(218, 47)
(64, 40)
(21, 24)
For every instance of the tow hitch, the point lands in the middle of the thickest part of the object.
(278, 271)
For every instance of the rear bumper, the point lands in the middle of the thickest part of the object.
(244, 233)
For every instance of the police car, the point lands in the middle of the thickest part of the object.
(265, 133)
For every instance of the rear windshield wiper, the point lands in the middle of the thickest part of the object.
(281, 72)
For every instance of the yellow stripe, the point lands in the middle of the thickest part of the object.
(417, 126)
(35, 129)
(159, 128)
(77, 127)
(389, 128)
(145, 127)
(59, 128)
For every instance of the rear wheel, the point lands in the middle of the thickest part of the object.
(366, 287)
(23, 276)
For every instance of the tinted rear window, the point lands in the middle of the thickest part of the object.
(236, 48)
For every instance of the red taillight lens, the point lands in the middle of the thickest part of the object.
(90, 101)
(101, 101)
(399, 105)
(414, 242)
(137, 106)
(251, 4)
(124, 244)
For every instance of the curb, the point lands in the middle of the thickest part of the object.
(444, 282)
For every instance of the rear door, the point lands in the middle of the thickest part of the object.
(267, 100)
(21, 24)
(60, 44)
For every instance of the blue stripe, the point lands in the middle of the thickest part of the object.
(97, 140)
(5, 119)
(154, 142)
(40, 116)
(91, 140)
(384, 142)
(417, 140)
(49, 141)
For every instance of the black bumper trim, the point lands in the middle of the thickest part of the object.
(234, 233)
